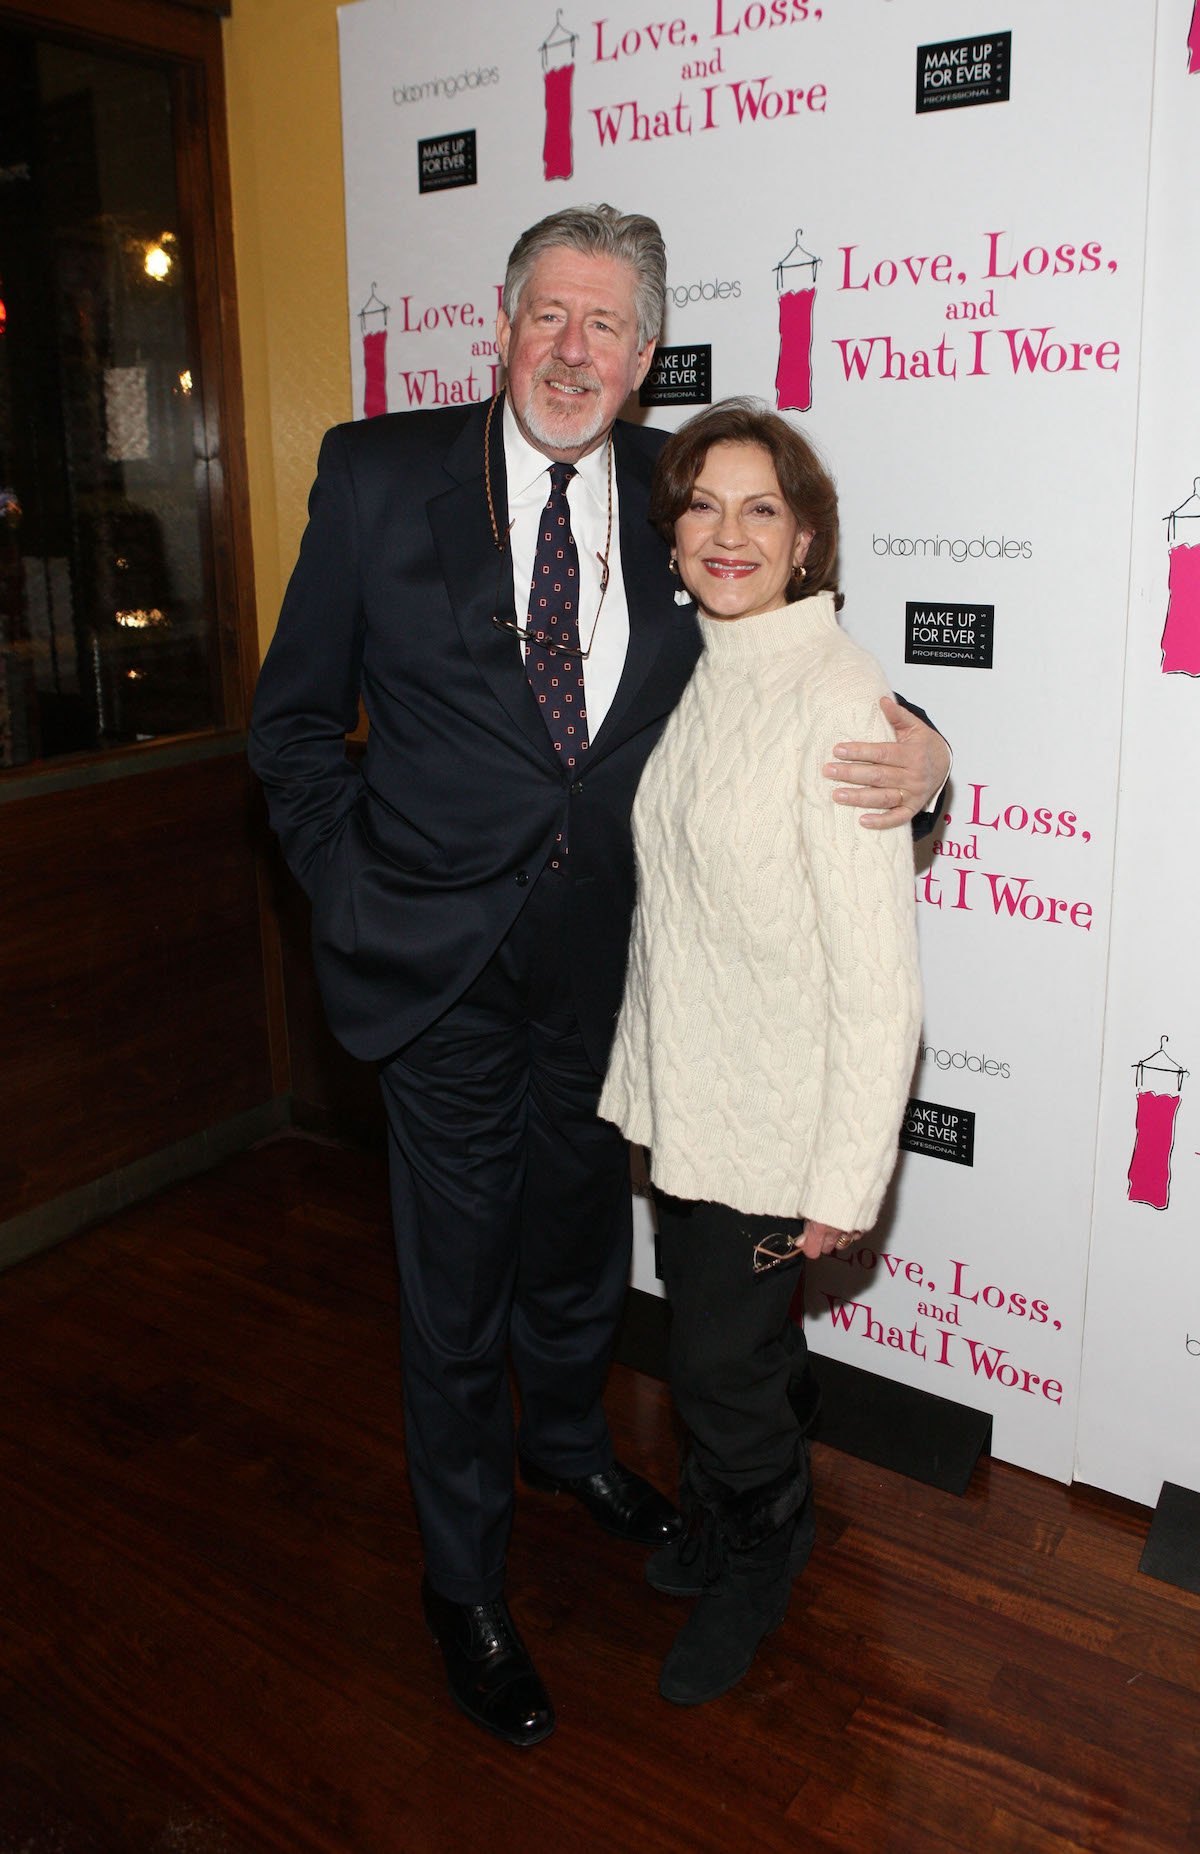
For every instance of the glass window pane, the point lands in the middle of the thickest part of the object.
(106, 624)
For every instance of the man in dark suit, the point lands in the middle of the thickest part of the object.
(517, 647)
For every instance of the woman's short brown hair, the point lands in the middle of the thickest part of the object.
(806, 484)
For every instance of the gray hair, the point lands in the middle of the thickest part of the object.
(597, 231)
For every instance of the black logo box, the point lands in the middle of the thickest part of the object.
(679, 376)
(958, 73)
(956, 635)
(446, 161)
(939, 1132)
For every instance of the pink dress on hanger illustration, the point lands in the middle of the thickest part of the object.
(1181, 632)
(797, 300)
(1159, 1084)
(558, 67)
(374, 344)
(1194, 41)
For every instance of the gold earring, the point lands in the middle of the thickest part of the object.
(800, 573)
(673, 566)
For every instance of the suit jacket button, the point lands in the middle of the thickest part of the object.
(576, 787)
(521, 879)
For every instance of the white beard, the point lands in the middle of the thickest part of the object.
(550, 438)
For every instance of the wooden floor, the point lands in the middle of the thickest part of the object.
(210, 1640)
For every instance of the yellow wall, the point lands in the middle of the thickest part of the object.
(281, 74)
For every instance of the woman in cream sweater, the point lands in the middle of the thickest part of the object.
(771, 1010)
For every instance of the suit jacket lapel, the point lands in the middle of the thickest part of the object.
(478, 577)
(649, 588)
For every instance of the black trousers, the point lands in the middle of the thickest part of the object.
(512, 1217)
(734, 1350)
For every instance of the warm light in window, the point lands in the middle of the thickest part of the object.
(141, 620)
(134, 675)
(185, 379)
(157, 262)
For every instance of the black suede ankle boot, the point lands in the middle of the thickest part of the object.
(746, 1551)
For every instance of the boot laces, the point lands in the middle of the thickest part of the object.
(703, 1544)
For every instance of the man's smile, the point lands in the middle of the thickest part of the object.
(570, 388)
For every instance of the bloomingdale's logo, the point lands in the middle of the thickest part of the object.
(932, 546)
(964, 1059)
(711, 290)
(445, 86)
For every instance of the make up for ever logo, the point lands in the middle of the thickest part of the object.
(959, 636)
(445, 161)
(958, 73)
(679, 376)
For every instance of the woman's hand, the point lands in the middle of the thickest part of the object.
(896, 778)
(822, 1239)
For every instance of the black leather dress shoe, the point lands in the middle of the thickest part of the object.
(618, 1500)
(491, 1676)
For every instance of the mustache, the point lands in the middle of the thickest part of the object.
(567, 376)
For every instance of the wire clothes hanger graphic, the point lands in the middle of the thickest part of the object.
(372, 307)
(789, 272)
(560, 38)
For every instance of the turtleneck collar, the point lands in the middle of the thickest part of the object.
(768, 634)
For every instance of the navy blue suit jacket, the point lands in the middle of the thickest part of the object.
(418, 857)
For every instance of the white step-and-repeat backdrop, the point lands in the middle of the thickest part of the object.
(929, 245)
(1139, 1414)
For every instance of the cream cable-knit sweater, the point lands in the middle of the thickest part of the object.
(772, 1001)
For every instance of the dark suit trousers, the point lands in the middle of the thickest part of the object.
(512, 1218)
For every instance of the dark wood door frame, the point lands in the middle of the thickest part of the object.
(227, 1020)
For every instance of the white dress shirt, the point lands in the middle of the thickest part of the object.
(607, 626)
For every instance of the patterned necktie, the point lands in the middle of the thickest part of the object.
(556, 673)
